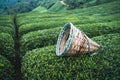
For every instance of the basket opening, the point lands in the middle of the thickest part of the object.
(64, 39)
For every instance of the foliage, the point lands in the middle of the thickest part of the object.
(6, 69)
(44, 64)
(38, 39)
(98, 2)
(6, 25)
(103, 9)
(47, 3)
(74, 3)
(42, 23)
(6, 21)
(85, 3)
(57, 7)
(38, 29)
(40, 9)
(38, 26)
(96, 29)
(7, 46)
(8, 30)
(21, 6)
(97, 14)
(46, 37)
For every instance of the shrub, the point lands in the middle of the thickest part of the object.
(8, 30)
(6, 21)
(96, 29)
(26, 18)
(7, 46)
(74, 4)
(46, 37)
(38, 26)
(39, 38)
(6, 69)
(104, 9)
(35, 23)
(44, 64)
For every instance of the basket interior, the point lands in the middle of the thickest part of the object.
(64, 39)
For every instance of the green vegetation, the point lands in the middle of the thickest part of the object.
(38, 31)
(44, 64)
(6, 25)
(8, 30)
(7, 46)
(14, 6)
(7, 56)
(102, 13)
(7, 34)
(100, 22)
(103, 9)
(40, 9)
(81, 3)
(6, 69)
(57, 7)
(37, 26)
(39, 38)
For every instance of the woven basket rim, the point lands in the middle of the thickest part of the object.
(68, 42)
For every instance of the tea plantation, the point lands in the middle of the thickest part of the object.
(38, 33)
(7, 54)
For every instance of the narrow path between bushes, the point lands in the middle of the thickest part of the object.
(17, 64)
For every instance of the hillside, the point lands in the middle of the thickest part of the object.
(22, 6)
(28, 43)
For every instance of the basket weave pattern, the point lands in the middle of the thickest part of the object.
(79, 42)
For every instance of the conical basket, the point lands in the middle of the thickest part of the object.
(72, 41)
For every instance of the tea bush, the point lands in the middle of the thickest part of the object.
(6, 25)
(43, 63)
(96, 29)
(104, 9)
(7, 46)
(8, 30)
(46, 37)
(33, 17)
(39, 38)
(44, 23)
(6, 69)
(33, 24)
(38, 26)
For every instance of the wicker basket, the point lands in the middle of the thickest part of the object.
(72, 41)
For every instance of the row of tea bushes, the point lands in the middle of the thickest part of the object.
(96, 29)
(98, 18)
(45, 23)
(46, 37)
(7, 34)
(6, 29)
(39, 38)
(7, 46)
(6, 19)
(104, 9)
(27, 18)
(6, 25)
(43, 63)
(99, 12)
(7, 55)
(6, 69)
(40, 15)
(39, 26)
